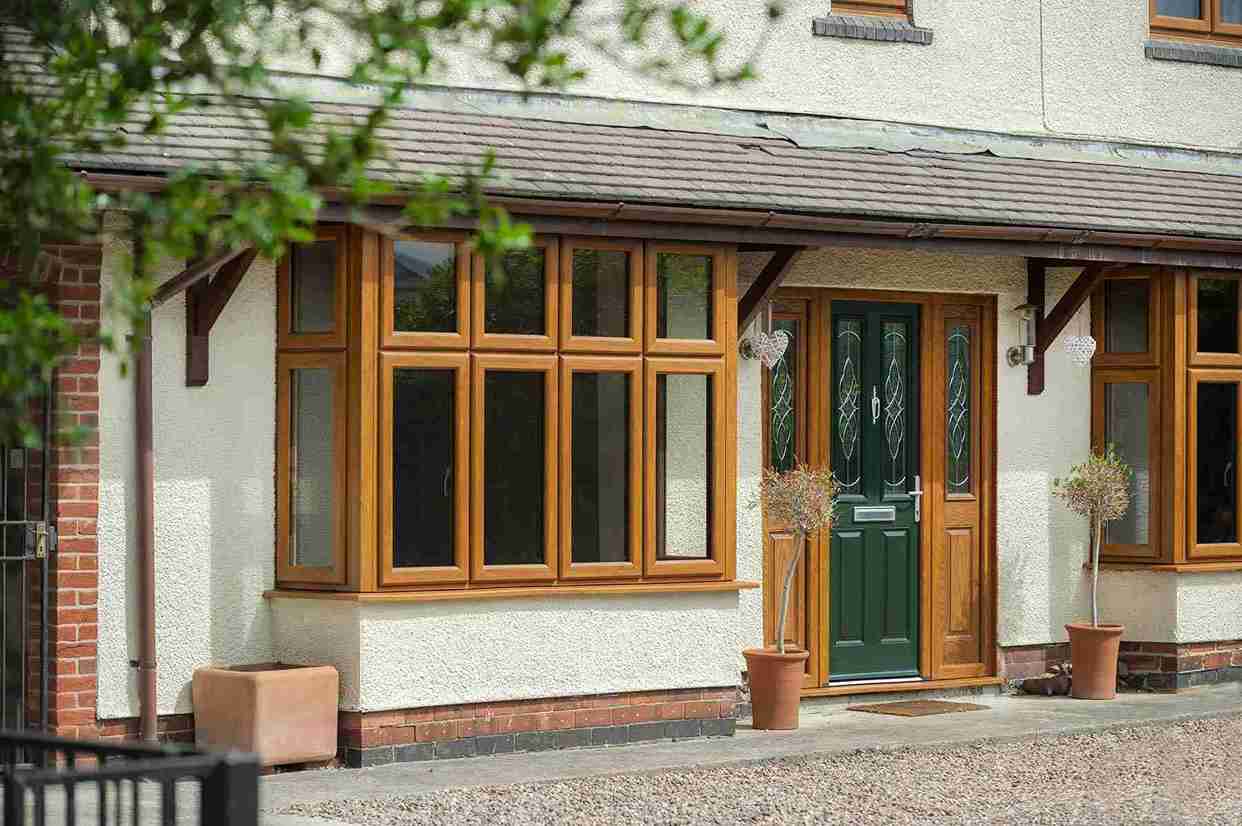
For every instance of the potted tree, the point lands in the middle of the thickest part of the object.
(804, 499)
(1098, 489)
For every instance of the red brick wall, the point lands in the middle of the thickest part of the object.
(1154, 666)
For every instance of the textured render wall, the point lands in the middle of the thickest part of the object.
(214, 511)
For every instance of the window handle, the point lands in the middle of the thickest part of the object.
(448, 471)
(875, 404)
(1228, 475)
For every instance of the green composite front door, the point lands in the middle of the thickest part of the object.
(873, 608)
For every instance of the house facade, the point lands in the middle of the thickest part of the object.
(517, 506)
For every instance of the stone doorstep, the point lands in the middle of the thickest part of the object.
(575, 738)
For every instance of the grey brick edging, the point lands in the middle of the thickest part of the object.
(575, 738)
(1203, 53)
(862, 27)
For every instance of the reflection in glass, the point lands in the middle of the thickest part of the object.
(1179, 8)
(424, 287)
(683, 466)
(312, 467)
(847, 369)
(684, 283)
(600, 452)
(601, 280)
(958, 410)
(1127, 428)
(423, 442)
(312, 282)
(1218, 315)
(515, 294)
(896, 379)
(1217, 446)
(783, 396)
(513, 467)
(1126, 304)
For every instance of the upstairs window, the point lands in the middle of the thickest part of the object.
(1198, 19)
(883, 8)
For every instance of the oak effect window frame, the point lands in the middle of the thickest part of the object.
(722, 274)
(390, 337)
(1207, 26)
(1200, 551)
(880, 8)
(549, 340)
(286, 337)
(633, 342)
(1209, 359)
(1099, 323)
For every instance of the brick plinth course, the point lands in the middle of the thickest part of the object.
(1144, 666)
(379, 738)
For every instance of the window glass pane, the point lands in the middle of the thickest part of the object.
(1180, 8)
(312, 269)
(513, 467)
(896, 384)
(601, 293)
(685, 295)
(683, 466)
(1230, 11)
(1125, 315)
(783, 400)
(312, 467)
(424, 286)
(1218, 315)
(847, 379)
(515, 294)
(1127, 428)
(601, 467)
(958, 410)
(1217, 452)
(423, 506)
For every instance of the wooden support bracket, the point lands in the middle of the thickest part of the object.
(1047, 328)
(205, 299)
(773, 273)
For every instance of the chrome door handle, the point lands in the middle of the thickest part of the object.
(917, 493)
(875, 404)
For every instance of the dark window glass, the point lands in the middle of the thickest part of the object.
(1180, 8)
(683, 466)
(312, 269)
(1217, 453)
(515, 294)
(783, 401)
(958, 410)
(684, 285)
(601, 293)
(312, 468)
(1230, 11)
(513, 468)
(1218, 315)
(1125, 315)
(601, 459)
(423, 415)
(424, 287)
(1127, 427)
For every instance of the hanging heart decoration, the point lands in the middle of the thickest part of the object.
(1080, 349)
(769, 348)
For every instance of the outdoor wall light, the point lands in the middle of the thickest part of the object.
(1024, 352)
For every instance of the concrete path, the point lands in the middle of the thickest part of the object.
(826, 729)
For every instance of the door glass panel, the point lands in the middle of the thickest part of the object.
(513, 468)
(515, 293)
(958, 410)
(312, 282)
(601, 460)
(684, 285)
(683, 466)
(783, 394)
(847, 358)
(1125, 315)
(896, 382)
(1230, 11)
(312, 467)
(601, 290)
(1127, 427)
(424, 286)
(1180, 8)
(1218, 315)
(1216, 494)
(423, 449)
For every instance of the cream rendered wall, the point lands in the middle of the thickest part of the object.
(214, 509)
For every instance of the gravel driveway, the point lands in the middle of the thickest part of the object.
(1162, 774)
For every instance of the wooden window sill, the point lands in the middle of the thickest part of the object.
(894, 688)
(1174, 568)
(624, 589)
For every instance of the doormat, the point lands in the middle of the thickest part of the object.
(917, 708)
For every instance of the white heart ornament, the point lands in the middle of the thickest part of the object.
(769, 348)
(1080, 349)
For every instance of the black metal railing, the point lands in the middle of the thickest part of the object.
(54, 781)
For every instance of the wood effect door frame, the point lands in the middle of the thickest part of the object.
(812, 610)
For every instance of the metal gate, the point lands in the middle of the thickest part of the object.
(27, 541)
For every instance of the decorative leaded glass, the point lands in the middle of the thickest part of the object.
(958, 410)
(783, 427)
(847, 351)
(895, 383)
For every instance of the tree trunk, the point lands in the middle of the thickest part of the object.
(790, 568)
(1098, 530)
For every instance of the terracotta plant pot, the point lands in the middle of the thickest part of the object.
(775, 686)
(284, 713)
(1093, 652)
